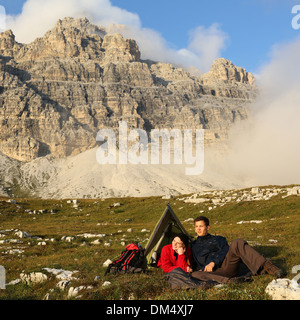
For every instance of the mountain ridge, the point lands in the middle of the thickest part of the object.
(65, 86)
(58, 91)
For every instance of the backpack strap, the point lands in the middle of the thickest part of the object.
(128, 259)
(118, 260)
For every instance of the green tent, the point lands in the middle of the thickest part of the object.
(165, 230)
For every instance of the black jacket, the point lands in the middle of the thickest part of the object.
(208, 249)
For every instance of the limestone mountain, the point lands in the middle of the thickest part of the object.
(59, 90)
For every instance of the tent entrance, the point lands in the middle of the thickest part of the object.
(164, 232)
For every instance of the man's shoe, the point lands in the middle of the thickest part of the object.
(270, 268)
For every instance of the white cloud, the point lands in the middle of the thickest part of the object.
(205, 45)
(266, 149)
(38, 16)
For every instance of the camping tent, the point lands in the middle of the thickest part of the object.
(165, 230)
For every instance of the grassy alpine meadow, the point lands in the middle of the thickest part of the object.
(36, 234)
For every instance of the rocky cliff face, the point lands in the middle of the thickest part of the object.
(59, 90)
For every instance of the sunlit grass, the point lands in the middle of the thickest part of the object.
(276, 237)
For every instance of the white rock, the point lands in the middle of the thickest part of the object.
(216, 201)
(62, 274)
(273, 240)
(14, 251)
(33, 277)
(251, 221)
(97, 241)
(282, 289)
(13, 282)
(12, 201)
(188, 220)
(106, 284)
(22, 234)
(116, 204)
(47, 296)
(63, 284)
(15, 241)
(255, 190)
(73, 292)
(91, 235)
(67, 238)
(167, 196)
(107, 263)
(293, 191)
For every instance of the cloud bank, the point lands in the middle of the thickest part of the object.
(265, 149)
(38, 16)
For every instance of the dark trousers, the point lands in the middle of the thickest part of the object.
(239, 252)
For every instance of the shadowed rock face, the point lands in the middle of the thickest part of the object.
(59, 90)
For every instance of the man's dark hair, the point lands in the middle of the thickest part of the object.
(202, 218)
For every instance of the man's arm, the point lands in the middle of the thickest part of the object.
(218, 257)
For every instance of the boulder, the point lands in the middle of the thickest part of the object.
(107, 263)
(33, 277)
(283, 289)
(63, 284)
(22, 234)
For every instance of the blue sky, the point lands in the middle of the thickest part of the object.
(252, 27)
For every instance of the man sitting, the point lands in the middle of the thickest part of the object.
(217, 261)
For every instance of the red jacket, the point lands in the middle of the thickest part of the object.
(168, 261)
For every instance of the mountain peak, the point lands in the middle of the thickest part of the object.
(71, 38)
(225, 70)
(83, 25)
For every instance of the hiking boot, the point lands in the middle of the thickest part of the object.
(270, 268)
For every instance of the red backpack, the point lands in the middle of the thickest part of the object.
(132, 260)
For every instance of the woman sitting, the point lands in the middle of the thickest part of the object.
(177, 254)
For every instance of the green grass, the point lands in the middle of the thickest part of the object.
(280, 216)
